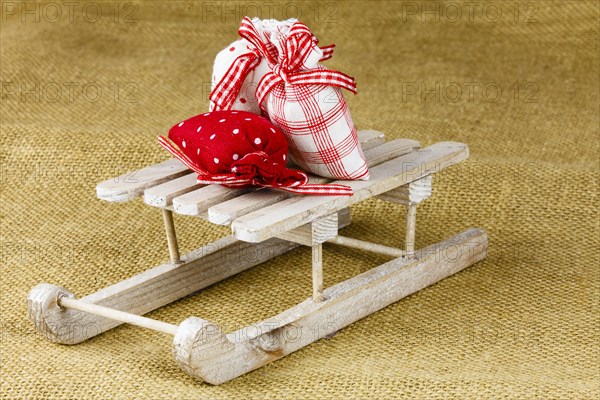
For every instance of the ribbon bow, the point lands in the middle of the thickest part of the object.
(296, 48)
(227, 89)
(256, 169)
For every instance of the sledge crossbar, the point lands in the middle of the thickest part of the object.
(117, 315)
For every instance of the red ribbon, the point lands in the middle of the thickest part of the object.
(299, 44)
(255, 169)
(227, 89)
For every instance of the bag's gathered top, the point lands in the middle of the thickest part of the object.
(260, 47)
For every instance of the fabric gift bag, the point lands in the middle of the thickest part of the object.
(304, 100)
(238, 58)
(239, 67)
(240, 149)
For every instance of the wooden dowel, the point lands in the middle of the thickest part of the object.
(171, 236)
(411, 221)
(367, 246)
(317, 272)
(117, 315)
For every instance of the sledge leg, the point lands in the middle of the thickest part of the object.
(171, 236)
(411, 222)
(162, 285)
(317, 272)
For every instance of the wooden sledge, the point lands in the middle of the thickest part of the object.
(265, 223)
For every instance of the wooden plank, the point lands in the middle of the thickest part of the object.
(149, 290)
(202, 349)
(132, 184)
(224, 213)
(153, 288)
(162, 195)
(370, 138)
(293, 212)
(198, 201)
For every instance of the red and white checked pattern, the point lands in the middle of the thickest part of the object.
(317, 123)
(239, 67)
(308, 106)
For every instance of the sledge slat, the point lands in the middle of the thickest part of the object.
(369, 139)
(162, 195)
(290, 213)
(132, 184)
(198, 201)
(224, 213)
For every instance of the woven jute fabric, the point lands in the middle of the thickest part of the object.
(87, 87)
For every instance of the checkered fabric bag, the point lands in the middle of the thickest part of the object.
(304, 100)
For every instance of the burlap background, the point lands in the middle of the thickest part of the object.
(522, 324)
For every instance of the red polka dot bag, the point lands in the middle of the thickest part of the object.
(240, 149)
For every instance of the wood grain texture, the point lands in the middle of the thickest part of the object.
(411, 226)
(201, 200)
(368, 138)
(316, 232)
(317, 272)
(415, 192)
(162, 195)
(205, 352)
(121, 316)
(153, 288)
(198, 201)
(224, 213)
(171, 235)
(132, 184)
(366, 246)
(288, 214)
(149, 290)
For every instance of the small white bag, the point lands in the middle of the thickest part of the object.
(242, 60)
(245, 100)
